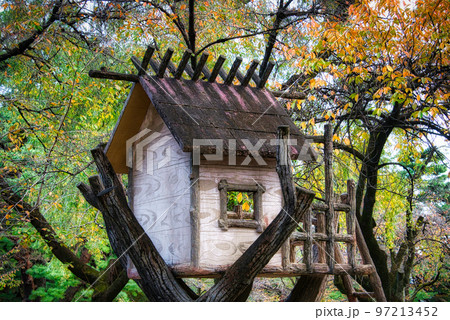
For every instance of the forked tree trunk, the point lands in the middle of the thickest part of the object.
(128, 239)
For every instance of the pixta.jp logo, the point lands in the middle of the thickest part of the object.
(150, 151)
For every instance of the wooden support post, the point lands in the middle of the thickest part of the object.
(195, 218)
(286, 254)
(266, 75)
(145, 61)
(199, 68)
(320, 228)
(307, 244)
(182, 65)
(164, 63)
(234, 68)
(329, 215)
(251, 70)
(367, 259)
(350, 222)
(216, 69)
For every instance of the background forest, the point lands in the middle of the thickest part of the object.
(378, 71)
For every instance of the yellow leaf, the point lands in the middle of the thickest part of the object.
(389, 68)
(239, 197)
(245, 207)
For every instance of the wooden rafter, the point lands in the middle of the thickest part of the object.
(200, 71)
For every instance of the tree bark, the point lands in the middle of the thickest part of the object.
(157, 281)
(241, 274)
(308, 288)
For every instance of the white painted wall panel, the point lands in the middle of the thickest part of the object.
(161, 194)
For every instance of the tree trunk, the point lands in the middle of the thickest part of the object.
(157, 281)
(309, 288)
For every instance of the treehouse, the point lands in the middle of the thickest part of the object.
(190, 150)
(201, 160)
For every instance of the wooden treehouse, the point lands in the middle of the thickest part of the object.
(189, 142)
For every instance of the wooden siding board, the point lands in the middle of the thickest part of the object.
(219, 247)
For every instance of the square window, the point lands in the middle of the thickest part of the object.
(241, 206)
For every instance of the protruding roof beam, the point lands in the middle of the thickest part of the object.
(256, 79)
(104, 74)
(147, 56)
(216, 69)
(251, 70)
(266, 74)
(199, 68)
(183, 63)
(234, 68)
(137, 64)
(164, 63)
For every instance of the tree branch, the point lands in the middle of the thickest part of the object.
(24, 45)
(241, 274)
(48, 234)
(340, 146)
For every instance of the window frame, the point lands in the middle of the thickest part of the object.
(257, 190)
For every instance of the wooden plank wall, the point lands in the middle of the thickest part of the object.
(161, 201)
(218, 247)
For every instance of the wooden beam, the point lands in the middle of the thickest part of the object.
(137, 65)
(266, 74)
(182, 65)
(294, 270)
(374, 278)
(251, 70)
(319, 236)
(256, 79)
(337, 207)
(216, 69)
(308, 244)
(101, 74)
(350, 221)
(234, 68)
(145, 61)
(164, 63)
(206, 72)
(154, 65)
(289, 95)
(199, 68)
(329, 215)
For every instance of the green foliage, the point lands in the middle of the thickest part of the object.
(244, 199)
(9, 275)
(56, 280)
